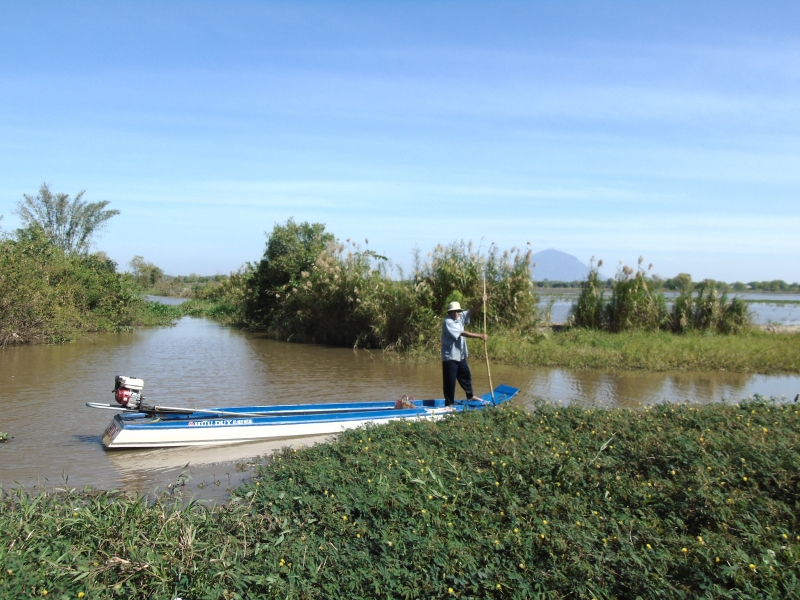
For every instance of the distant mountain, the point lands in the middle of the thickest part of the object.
(555, 265)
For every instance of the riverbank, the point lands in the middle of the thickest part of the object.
(497, 503)
(766, 350)
(755, 351)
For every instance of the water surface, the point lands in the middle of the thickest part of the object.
(54, 437)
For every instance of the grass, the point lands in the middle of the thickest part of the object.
(751, 352)
(666, 502)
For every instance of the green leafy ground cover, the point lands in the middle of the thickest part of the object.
(666, 502)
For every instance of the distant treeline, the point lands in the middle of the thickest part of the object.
(152, 280)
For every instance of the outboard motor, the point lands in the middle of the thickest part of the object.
(128, 391)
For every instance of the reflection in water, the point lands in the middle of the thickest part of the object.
(631, 389)
(199, 363)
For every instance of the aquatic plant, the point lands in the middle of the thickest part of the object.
(665, 501)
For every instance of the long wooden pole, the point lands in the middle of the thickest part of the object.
(486, 344)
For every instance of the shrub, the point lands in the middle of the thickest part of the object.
(310, 287)
(47, 295)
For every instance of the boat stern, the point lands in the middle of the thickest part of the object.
(112, 431)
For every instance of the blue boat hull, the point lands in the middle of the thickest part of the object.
(251, 423)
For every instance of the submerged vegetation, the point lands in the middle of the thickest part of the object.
(668, 501)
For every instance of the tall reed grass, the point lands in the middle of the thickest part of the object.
(636, 303)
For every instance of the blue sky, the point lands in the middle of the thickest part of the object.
(614, 129)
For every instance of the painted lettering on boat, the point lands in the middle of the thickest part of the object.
(219, 422)
(110, 432)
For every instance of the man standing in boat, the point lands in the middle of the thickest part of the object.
(454, 350)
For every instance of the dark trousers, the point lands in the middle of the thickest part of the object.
(452, 371)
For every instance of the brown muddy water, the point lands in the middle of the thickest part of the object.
(54, 440)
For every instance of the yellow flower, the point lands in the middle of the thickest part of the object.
(744, 478)
(684, 550)
(423, 510)
(344, 517)
(499, 586)
(649, 547)
(716, 559)
(81, 594)
(430, 497)
(541, 535)
(545, 523)
(390, 543)
(450, 591)
(752, 567)
(358, 535)
(44, 592)
(497, 483)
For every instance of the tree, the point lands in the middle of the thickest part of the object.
(68, 224)
(291, 249)
(144, 273)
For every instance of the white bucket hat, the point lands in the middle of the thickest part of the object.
(454, 306)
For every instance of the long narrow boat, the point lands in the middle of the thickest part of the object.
(164, 426)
